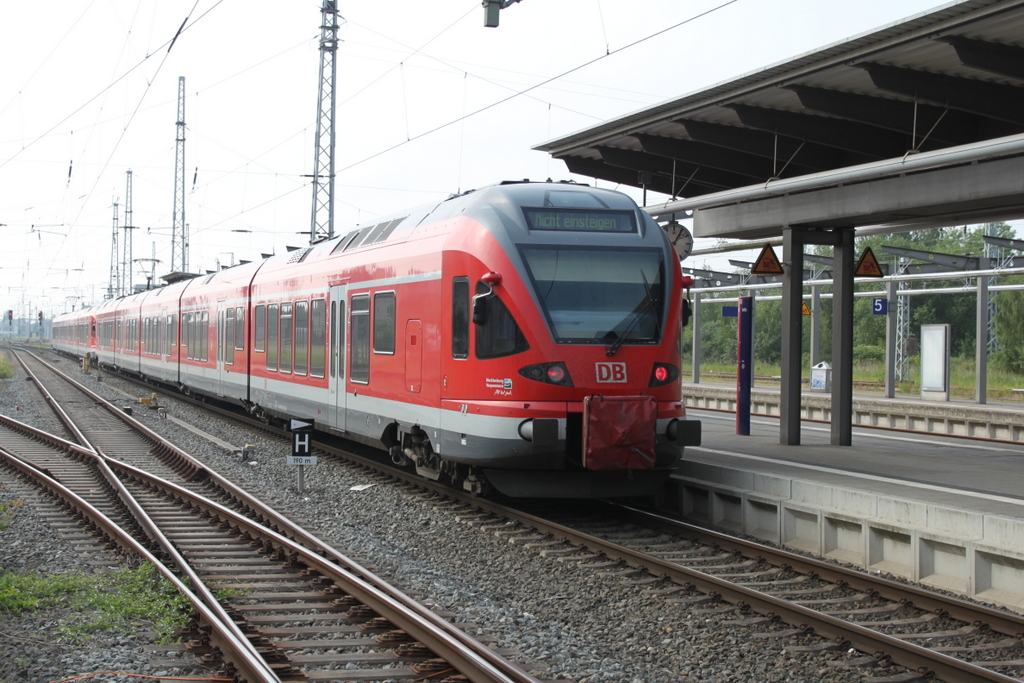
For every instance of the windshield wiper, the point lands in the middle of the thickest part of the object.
(636, 319)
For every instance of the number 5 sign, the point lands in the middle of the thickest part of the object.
(880, 306)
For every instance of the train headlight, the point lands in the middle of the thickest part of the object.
(663, 374)
(548, 373)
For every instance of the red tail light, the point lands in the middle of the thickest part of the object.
(663, 374)
(548, 373)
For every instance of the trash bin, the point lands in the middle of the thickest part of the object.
(821, 377)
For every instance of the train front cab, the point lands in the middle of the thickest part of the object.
(565, 361)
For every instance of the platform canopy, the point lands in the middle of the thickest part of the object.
(920, 123)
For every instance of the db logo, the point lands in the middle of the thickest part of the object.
(611, 372)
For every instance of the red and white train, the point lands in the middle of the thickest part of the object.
(524, 336)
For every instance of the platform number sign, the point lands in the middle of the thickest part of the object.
(880, 306)
(302, 443)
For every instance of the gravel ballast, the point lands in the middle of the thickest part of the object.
(579, 623)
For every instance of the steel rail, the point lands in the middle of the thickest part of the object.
(144, 520)
(481, 662)
(904, 653)
(467, 660)
(235, 647)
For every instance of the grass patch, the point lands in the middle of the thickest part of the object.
(8, 508)
(6, 370)
(126, 599)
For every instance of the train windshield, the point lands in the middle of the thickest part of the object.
(599, 294)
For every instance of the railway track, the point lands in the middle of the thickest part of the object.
(867, 618)
(299, 611)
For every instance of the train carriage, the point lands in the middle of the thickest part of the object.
(524, 336)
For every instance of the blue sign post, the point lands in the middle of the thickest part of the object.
(744, 363)
(880, 307)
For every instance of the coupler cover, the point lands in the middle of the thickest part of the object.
(619, 432)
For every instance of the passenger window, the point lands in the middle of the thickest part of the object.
(261, 328)
(384, 322)
(499, 335)
(360, 351)
(229, 335)
(460, 317)
(286, 337)
(301, 337)
(318, 337)
(272, 337)
(239, 329)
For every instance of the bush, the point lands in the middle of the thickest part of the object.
(866, 353)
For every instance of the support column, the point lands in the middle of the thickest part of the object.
(981, 355)
(695, 324)
(842, 340)
(815, 324)
(890, 341)
(792, 336)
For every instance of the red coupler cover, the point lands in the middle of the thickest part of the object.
(618, 432)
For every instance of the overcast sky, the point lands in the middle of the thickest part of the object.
(88, 91)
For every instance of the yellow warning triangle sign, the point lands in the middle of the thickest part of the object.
(868, 265)
(767, 263)
(806, 310)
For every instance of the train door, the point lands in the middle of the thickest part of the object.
(222, 359)
(338, 329)
(413, 356)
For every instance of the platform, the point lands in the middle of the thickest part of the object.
(1003, 420)
(947, 512)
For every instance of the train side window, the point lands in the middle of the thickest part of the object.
(204, 338)
(460, 317)
(499, 335)
(338, 338)
(172, 331)
(317, 337)
(261, 328)
(359, 365)
(239, 329)
(384, 323)
(286, 337)
(272, 337)
(301, 337)
(229, 336)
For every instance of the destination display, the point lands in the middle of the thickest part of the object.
(580, 220)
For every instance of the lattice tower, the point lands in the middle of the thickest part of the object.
(322, 222)
(179, 230)
(114, 286)
(126, 246)
(902, 323)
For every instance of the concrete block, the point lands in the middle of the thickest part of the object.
(960, 523)
(696, 505)
(843, 538)
(857, 503)
(761, 517)
(943, 563)
(772, 486)
(727, 510)
(812, 493)
(891, 549)
(801, 528)
(1002, 531)
(999, 576)
(902, 512)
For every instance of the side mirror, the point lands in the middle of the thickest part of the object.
(480, 308)
(687, 312)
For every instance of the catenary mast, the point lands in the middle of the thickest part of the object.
(179, 230)
(322, 224)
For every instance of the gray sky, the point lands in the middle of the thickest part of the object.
(426, 96)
